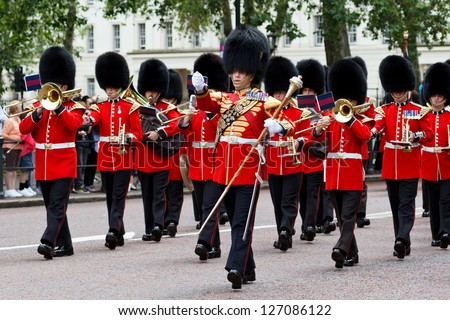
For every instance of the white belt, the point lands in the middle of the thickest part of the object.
(203, 145)
(112, 139)
(238, 140)
(433, 149)
(343, 155)
(395, 146)
(53, 146)
(278, 143)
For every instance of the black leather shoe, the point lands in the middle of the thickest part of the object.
(400, 248)
(165, 232)
(201, 251)
(310, 233)
(338, 256)
(111, 241)
(425, 214)
(328, 227)
(435, 243)
(283, 240)
(46, 251)
(198, 226)
(350, 261)
(407, 252)
(319, 229)
(236, 279)
(223, 218)
(249, 276)
(214, 253)
(445, 241)
(303, 237)
(147, 237)
(156, 233)
(61, 251)
(172, 229)
(362, 222)
(120, 241)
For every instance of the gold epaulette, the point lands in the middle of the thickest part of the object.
(380, 111)
(77, 106)
(271, 103)
(135, 105)
(216, 95)
(423, 110)
(94, 107)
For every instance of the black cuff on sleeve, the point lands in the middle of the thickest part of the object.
(35, 116)
(350, 122)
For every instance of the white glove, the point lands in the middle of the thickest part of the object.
(272, 126)
(197, 81)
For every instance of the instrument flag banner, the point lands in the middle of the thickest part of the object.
(326, 101)
(32, 82)
(306, 101)
(190, 86)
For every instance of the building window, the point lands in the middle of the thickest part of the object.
(90, 2)
(287, 41)
(141, 35)
(352, 34)
(318, 30)
(196, 39)
(169, 35)
(116, 37)
(90, 87)
(90, 39)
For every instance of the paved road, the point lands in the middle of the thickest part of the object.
(170, 269)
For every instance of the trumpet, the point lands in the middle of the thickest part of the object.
(343, 110)
(122, 138)
(49, 95)
(291, 150)
(131, 93)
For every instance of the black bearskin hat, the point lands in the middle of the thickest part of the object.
(313, 75)
(346, 80)
(437, 81)
(360, 62)
(175, 86)
(57, 65)
(447, 61)
(247, 50)
(153, 76)
(111, 71)
(211, 65)
(397, 74)
(279, 71)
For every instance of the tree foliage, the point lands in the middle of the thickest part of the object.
(29, 26)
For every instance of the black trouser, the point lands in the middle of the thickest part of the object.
(402, 195)
(196, 204)
(237, 202)
(425, 198)
(115, 184)
(346, 203)
(438, 193)
(56, 198)
(325, 207)
(89, 172)
(310, 193)
(206, 192)
(363, 206)
(284, 191)
(174, 197)
(153, 189)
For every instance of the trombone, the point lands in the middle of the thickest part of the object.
(49, 95)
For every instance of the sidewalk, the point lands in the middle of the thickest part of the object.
(99, 196)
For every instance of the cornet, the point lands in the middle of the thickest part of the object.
(49, 95)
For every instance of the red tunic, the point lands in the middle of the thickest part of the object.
(237, 140)
(58, 162)
(146, 159)
(108, 116)
(435, 162)
(398, 164)
(277, 163)
(201, 146)
(344, 169)
(368, 118)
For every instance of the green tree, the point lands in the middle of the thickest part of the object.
(27, 27)
(425, 20)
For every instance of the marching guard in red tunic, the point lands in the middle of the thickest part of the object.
(119, 126)
(56, 155)
(152, 158)
(435, 168)
(243, 115)
(344, 172)
(283, 159)
(203, 127)
(406, 125)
